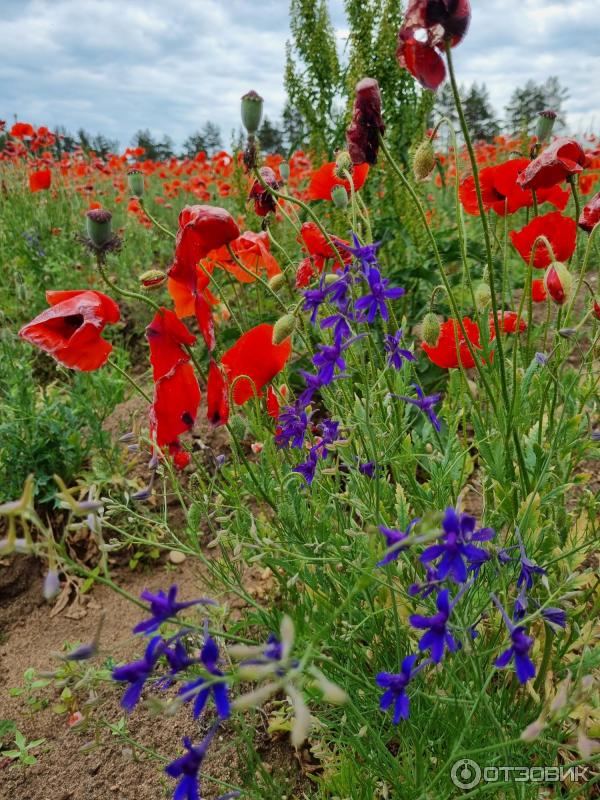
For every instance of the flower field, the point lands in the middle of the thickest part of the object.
(328, 427)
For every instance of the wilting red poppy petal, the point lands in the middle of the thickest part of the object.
(40, 180)
(590, 216)
(70, 330)
(324, 179)
(422, 61)
(507, 322)
(562, 158)
(253, 251)
(217, 398)
(306, 272)
(205, 321)
(560, 231)
(272, 403)
(175, 405)
(445, 354)
(538, 291)
(256, 357)
(167, 336)
(264, 201)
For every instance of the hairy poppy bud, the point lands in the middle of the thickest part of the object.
(152, 279)
(283, 328)
(252, 108)
(424, 160)
(596, 309)
(284, 171)
(135, 181)
(430, 329)
(343, 163)
(558, 283)
(339, 195)
(276, 282)
(545, 123)
(483, 295)
(98, 226)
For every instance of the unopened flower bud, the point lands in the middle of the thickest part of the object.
(283, 328)
(339, 195)
(424, 160)
(277, 282)
(561, 697)
(343, 163)
(135, 180)
(483, 296)
(567, 333)
(596, 309)
(98, 226)
(545, 123)
(284, 171)
(51, 585)
(558, 282)
(252, 108)
(330, 279)
(430, 329)
(152, 279)
(532, 732)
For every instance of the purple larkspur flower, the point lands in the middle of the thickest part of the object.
(308, 468)
(367, 468)
(396, 354)
(425, 403)
(137, 672)
(393, 538)
(327, 359)
(376, 301)
(365, 254)
(338, 291)
(437, 637)
(292, 424)
(395, 686)
(187, 767)
(518, 650)
(528, 567)
(201, 689)
(313, 300)
(456, 552)
(339, 323)
(163, 607)
(426, 587)
(555, 617)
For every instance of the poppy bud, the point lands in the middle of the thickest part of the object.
(283, 328)
(424, 160)
(430, 329)
(135, 181)
(276, 282)
(339, 195)
(558, 282)
(98, 226)
(545, 123)
(343, 163)
(330, 279)
(252, 108)
(152, 279)
(284, 171)
(596, 309)
(483, 296)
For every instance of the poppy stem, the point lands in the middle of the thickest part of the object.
(255, 276)
(123, 292)
(154, 221)
(130, 380)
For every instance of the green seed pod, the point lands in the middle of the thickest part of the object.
(277, 282)
(339, 195)
(283, 328)
(331, 278)
(135, 180)
(483, 296)
(284, 170)
(152, 279)
(430, 329)
(545, 124)
(98, 226)
(252, 108)
(424, 160)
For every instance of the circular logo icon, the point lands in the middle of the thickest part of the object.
(465, 773)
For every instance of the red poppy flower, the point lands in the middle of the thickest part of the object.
(217, 397)
(438, 21)
(253, 250)
(22, 130)
(324, 179)
(507, 321)
(256, 357)
(367, 124)
(201, 229)
(40, 180)
(564, 157)
(167, 335)
(174, 409)
(264, 201)
(538, 291)
(272, 403)
(70, 331)
(560, 231)
(445, 353)
(305, 273)
(590, 216)
(319, 248)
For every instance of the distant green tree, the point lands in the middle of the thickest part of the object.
(270, 137)
(294, 128)
(153, 148)
(480, 116)
(207, 140)
(527, 101)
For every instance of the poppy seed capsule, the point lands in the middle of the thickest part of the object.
(152, 279)
(276, 282)
(424, 160)
(252, 108)
(283, 328)
(430, 329)
(135, 181)
(339, 195)
(98, 226)
(284, 171)
(558, 282)
(545, 124)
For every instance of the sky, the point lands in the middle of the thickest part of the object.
(115, 66)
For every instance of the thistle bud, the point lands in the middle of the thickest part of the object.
(343, 163)
(424, 160)
(283, 328)
(98, 226)
(252, 108)
(284, 171)
(152, 279)
(558, 283)
(483, 296)
(339, 195)
(430, 329)
(277, 282)
(135, 181)
(545, 123)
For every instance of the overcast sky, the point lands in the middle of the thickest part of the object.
(114, 66)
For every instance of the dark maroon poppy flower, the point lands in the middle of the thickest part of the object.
(428, 25)
(264, 201)
(367, 123)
